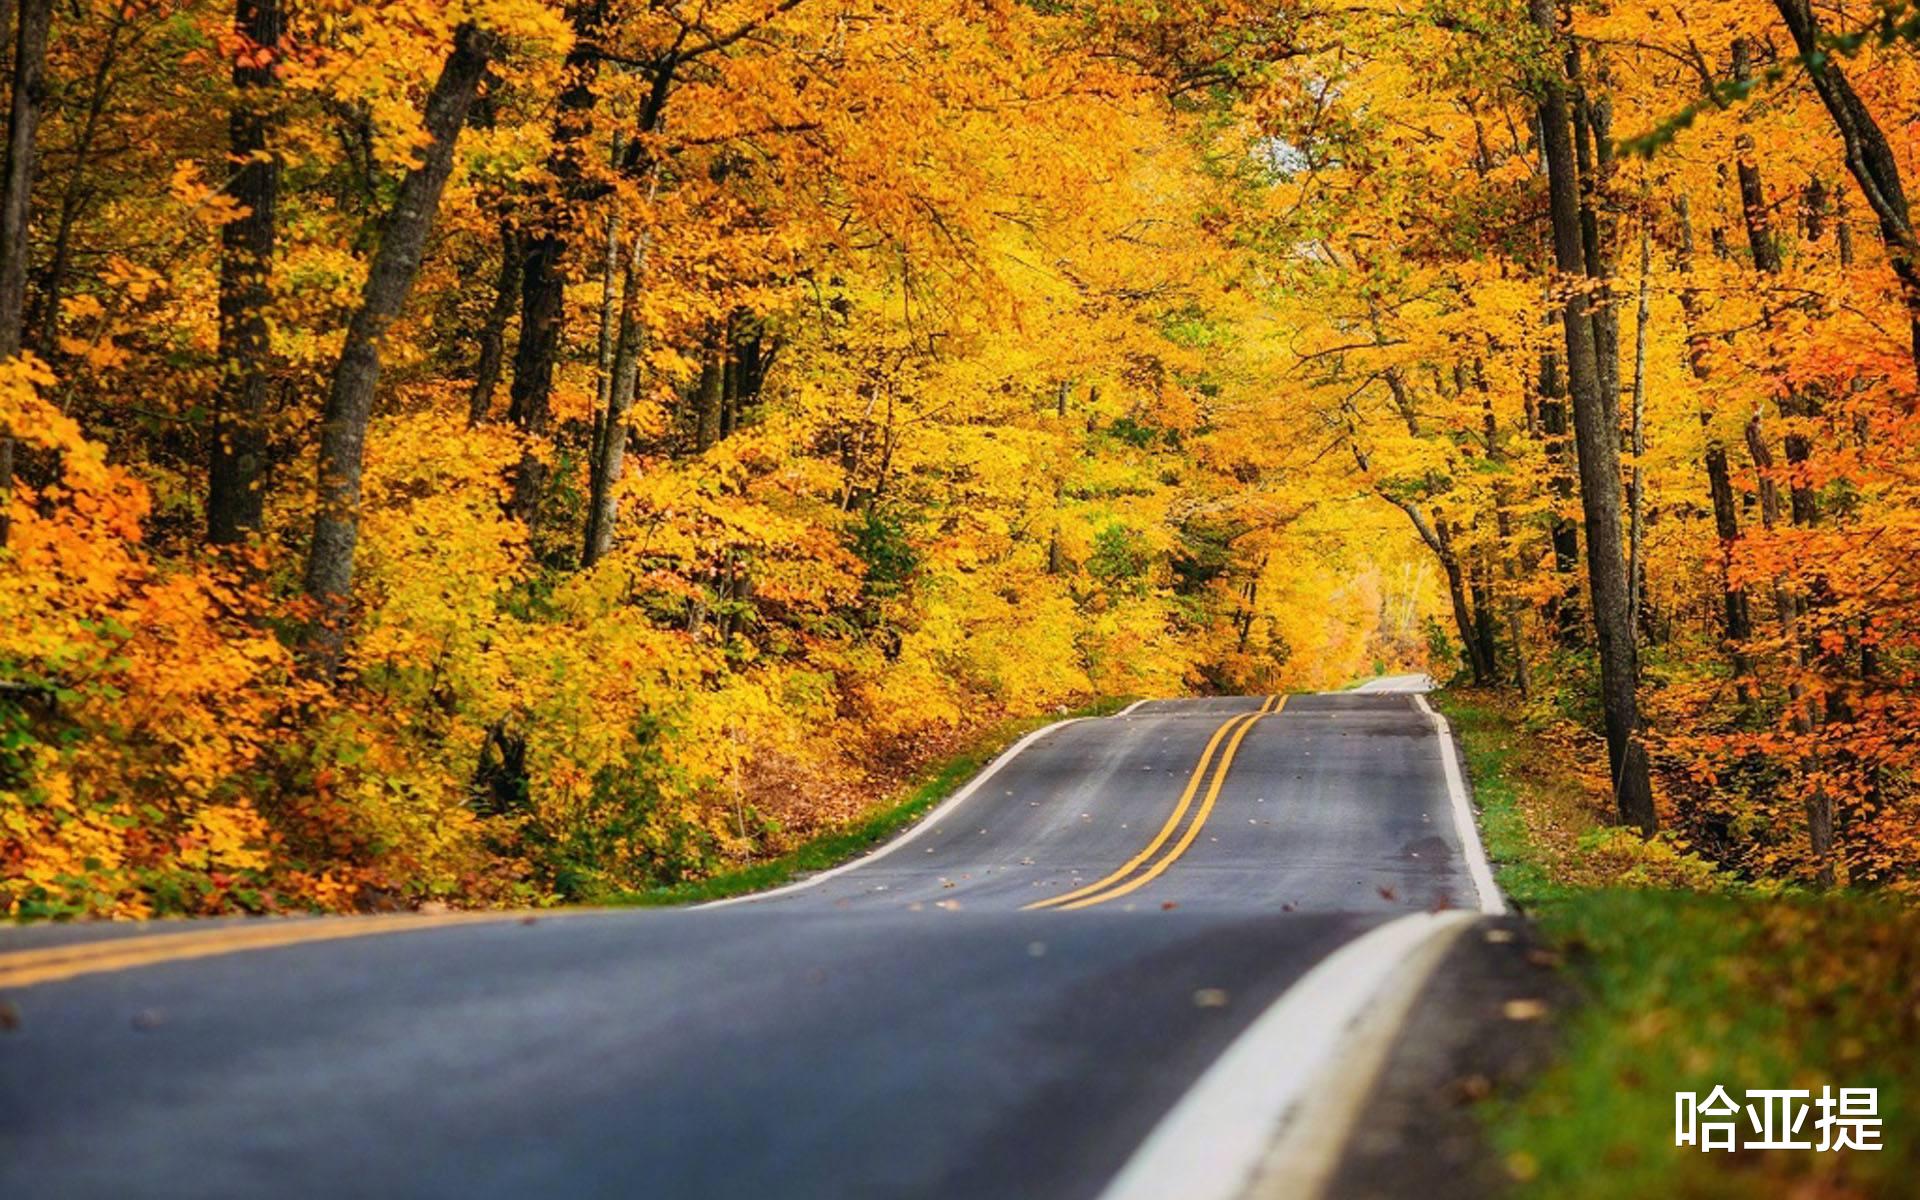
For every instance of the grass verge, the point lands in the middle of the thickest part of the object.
(1690, 979)
(854, 838)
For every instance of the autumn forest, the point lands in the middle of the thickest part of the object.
(501, 451)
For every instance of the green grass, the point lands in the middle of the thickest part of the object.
(1687, 991)
(1689, 979)
(1489, 743)
(854, 838)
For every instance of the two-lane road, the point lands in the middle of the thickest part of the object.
(1318, 803)
(1126, 945)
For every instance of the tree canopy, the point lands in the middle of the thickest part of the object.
(509, 451)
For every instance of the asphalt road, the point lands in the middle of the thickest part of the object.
(910, 1026)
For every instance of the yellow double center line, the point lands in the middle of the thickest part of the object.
(50, 964)
(1124, 880)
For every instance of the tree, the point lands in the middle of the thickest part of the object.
(543, 265)
(931, 366)
(1869, 157)
(396, 260)
(35, 17)
(239, 437)
(1596, 444)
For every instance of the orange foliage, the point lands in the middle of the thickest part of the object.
(987, 357)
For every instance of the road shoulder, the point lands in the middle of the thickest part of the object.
(1484, 1026)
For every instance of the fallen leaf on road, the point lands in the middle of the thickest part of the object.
(1524, 1010)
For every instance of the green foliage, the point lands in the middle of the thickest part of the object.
(1121, 559)
(1204, 555)
(1520, 866)
(881, 541)
(1194, 328)
(1689, 979)
(1133, 432)
(1443, 649)
(1685, 992)
(645, 824)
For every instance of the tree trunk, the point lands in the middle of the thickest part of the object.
(44, 322)
(710, 395)
(729, 379)
(542, 313)
(1564, 614)
(1249, 598)
(608, 456)
(1598, 452)
(1726, 513)
(609, 452)
(1818, 804)
(610, 427)
(543, 282)
(1503, 527)
(1869, 157)
(1462, 610)
(493, 333)
(1593, 164)
(238, 462)
(343, 431)
(1795, 405)
(1753, 193)
(1439, 540)
(1813, 208)
(16, 189)
(609, 308)
(16, 197)
(1483, 619)
(1636, 477)
(1436, 534)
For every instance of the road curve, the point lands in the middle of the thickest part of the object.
(1008, 1001)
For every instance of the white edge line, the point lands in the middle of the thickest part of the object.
(913, 831)
(1303, 1159)
(1491, 901)
(1214, 1141)
(1129, 708)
